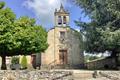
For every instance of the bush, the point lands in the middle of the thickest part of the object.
(15, 60)
(15, 63)
(24, 62)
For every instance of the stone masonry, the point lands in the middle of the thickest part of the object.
(64, 44)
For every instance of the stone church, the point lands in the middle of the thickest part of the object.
(64, 44)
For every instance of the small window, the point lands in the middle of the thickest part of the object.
(59, 20)
(62, 34)
(64, 20)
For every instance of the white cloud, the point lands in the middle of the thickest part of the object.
(77, 29)
(44, 9)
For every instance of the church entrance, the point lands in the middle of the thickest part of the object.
(63, 56)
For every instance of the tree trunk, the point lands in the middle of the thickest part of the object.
(115, 56)
(3, 66)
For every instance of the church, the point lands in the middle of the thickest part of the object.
(64, 49)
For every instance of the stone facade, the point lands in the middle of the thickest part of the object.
(70, 43)
(64, 44)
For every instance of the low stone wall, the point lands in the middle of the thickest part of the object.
(58, 75)
(106, 63)
(112, 75)
(82, 74)
(35, 75)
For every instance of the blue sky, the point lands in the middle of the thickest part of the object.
(43, 11)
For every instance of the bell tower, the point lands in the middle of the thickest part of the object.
(61, 17)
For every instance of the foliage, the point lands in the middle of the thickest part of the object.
(19, 36)
(15, 60)
(24, 62)
(2, 4)
(30, 38)
(103, 32)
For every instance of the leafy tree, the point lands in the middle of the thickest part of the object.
(103, 32)
(19, 36)
(7, 18)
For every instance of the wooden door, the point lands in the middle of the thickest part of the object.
(33, 60)
(63, 56)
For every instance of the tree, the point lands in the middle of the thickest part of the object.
(103, 32)
(7, 18)
(19, 36)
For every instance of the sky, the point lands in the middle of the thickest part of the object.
(43, 11)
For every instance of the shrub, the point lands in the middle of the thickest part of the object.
(24, 62)
(15, 60)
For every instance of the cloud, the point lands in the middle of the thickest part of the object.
(44, 9)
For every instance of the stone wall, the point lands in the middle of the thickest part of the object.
(58, 75)
(111, 75)
(35, 75)
(104, 63)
